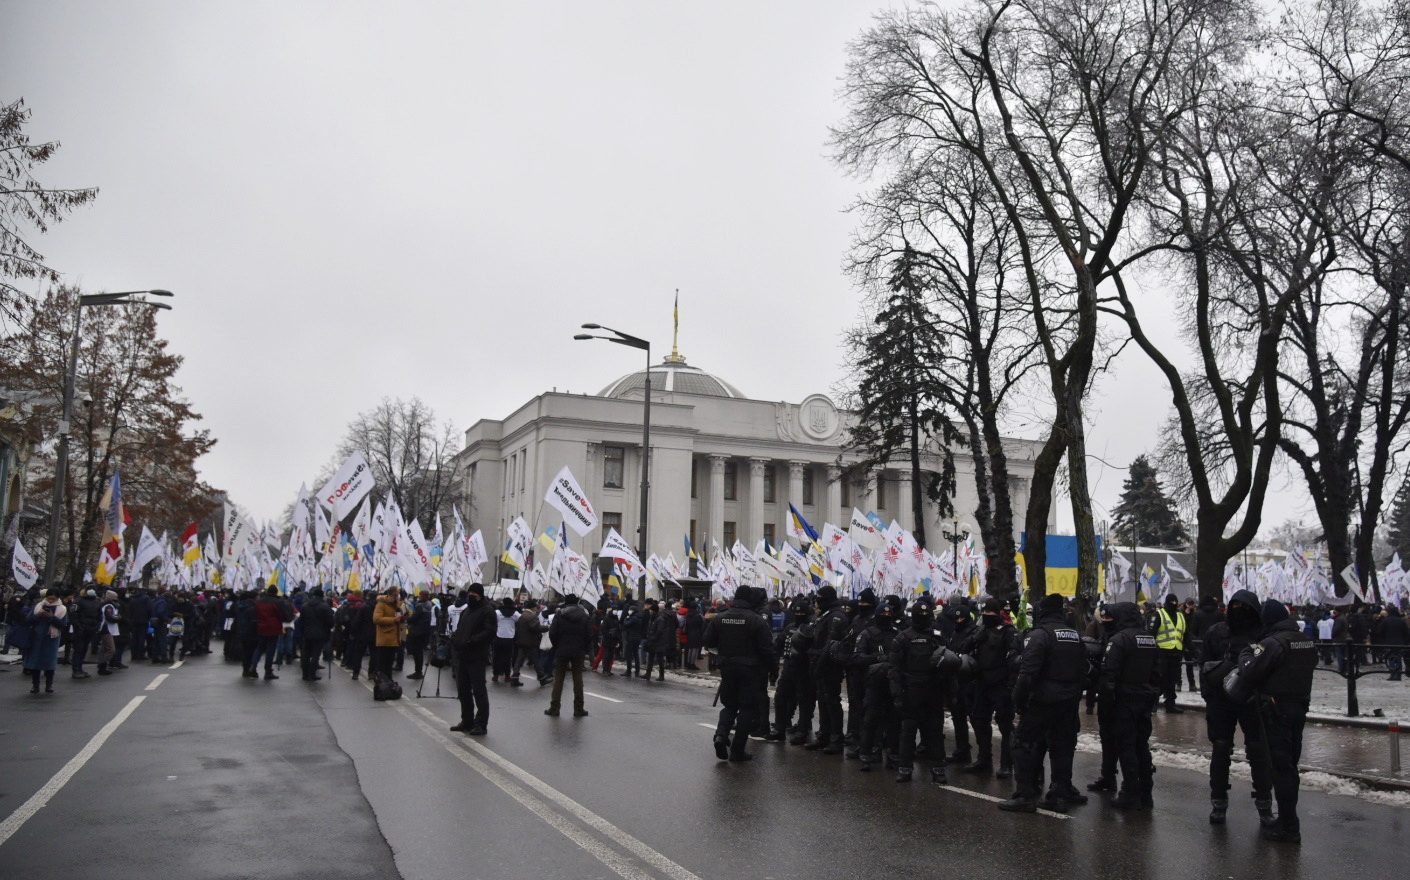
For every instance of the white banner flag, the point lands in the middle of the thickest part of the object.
(239, 534)
(148, 548)
(864, 532)
(347, 487)
(617, 548)
(567, 497)
(23, 567)
(475, 550)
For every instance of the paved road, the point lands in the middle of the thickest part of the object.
(211, 775)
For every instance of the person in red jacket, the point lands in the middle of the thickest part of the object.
(270, 614)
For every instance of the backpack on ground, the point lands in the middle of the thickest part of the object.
(385, 689)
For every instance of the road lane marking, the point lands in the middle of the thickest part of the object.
(609, 830)
(703, 724)
(596, 848)
(40, 798)
(601, 697)
(177, 664)
(156, 682)
(998, 800)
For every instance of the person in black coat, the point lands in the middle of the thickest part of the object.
(1127, 690)
(1219, 651)
(474, 633)
(743, 643)
(633, 634)
(660, 637)
(317, 627)
(1392, 631)
(694, 633)
(571, 635)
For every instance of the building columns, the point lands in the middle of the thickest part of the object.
(717, 501)
(834, 494)
(796, 470)
(756, 502)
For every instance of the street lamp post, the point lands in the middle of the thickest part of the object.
(635, 342)
(61, 465)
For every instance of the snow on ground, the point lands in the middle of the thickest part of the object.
(1374, 691)
(1164, 756)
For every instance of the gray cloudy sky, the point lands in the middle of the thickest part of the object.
(359, 200)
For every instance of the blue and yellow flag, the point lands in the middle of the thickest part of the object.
(799, 528)
(1061, 568)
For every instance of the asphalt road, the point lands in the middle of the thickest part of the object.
(211, 775)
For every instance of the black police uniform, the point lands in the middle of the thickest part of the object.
(795, 680)
(878, 727)
(1052, 675)
(961, 692)
(1278, 669)
(1129, 686)
(1220, 648)
(855, 675)
(992, 645)
(918, 690)
(827, 672)
(743, 646)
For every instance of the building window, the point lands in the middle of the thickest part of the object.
(614, 460)
(523, 468)
(731, 480)
(769, 535)
(729, 537)
(768, 484)
(807, 484)
(611, 521)
(694, 541)
(694, 479)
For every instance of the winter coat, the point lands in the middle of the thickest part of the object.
(246, 626)
(1391, 630)
(384, 617)
(694, 628)
(317, 619)
(570, 632)
(43, 653)
(269, 616)
(661, 633)
(527, 631)
(418, 625)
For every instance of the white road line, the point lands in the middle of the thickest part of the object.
(177, 664)
(557, 820)
(600, 697)
(156, 682)
(648, 855)
(703, 724)
(997, 800)
(38, 800)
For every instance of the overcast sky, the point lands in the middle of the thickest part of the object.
(358, 200)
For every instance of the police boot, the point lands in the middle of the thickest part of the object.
(1019, 804)
(1264, 806)
(1127, 799)
(959, 756)
(775, 735)
(799, 738)
(815, 742)
(1054, 801)
(852, 753)
(1285, 830)
(984, 765)
(1102, 783)
(1005, 758)
(903, 773)
(937, 775)
(721, 747)
(867, 759)
(1219, 806)
(833, 747)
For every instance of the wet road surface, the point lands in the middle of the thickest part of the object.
(212, 775)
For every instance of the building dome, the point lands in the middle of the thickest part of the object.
(674, 375)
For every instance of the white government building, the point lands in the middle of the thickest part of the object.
(724, 466)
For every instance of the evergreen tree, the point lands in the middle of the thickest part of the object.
(1146, 511)
(898, 401)
(1398, 521)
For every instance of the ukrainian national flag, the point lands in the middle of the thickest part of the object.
(799, 528)
(1061, 569)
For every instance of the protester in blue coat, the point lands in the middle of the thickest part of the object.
(47, 623)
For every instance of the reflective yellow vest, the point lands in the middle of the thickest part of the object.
(1171, 634)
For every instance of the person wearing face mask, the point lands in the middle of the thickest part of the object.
(1052, 674)
(991, 702)
(1128, 687)
(878, 722)
(1223, 643)
(918, 690)
(474, 633)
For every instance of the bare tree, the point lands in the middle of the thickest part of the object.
(411, 455)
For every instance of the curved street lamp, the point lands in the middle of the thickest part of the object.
(635, 342)
(61, 465)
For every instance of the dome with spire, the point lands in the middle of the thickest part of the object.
(674, 375)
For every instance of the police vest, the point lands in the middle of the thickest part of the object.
(918, 649)
(1171, 634)
(1067, 656)
(990, 650)
(737, 637)
(1292, 678)
(798, 641)
(1140, 658)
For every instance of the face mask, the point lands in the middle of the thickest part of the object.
(474, 601)
(990, 619)
(1109, 627)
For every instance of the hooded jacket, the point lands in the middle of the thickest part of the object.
(384, 617)
(1129, 663)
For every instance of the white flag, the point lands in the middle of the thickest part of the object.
(148, 548)
(567, 497)
(347, 487)
(864, 532)
(23, 567)
(1348, 574)
(475, 550)
(1174, 565)
(617, 548)
(239, 534)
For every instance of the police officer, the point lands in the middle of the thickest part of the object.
(991, 702)
(962, 692)
(832, 627)
(743, 645)
(855, 674)
(1170, 639)
(1051, 677)
(795, 680)
(918, 690)
(1127, 690)
(873, 647)
(1277, 671)
(1219, 650)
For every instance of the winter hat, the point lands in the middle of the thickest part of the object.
(1170, 600)
(827, 593)
(743, 594)
(994, 606)
(1051, 604)
(1273, 612)
(477, 589)
(867, 597)
(570, 599)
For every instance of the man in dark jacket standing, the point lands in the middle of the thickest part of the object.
(660, 637)
(570, 633)
(528, 629)
(474, 633)
(87, 616)
(1278, 672)
(1219, 652)
(317, 621)
(1127, 690)
(743, 643)
(1052, 675)
(139, 615)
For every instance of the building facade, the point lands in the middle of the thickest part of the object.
(723, 466)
